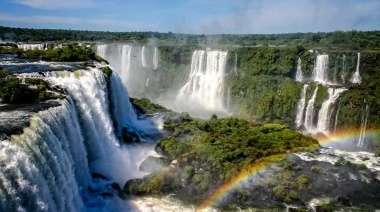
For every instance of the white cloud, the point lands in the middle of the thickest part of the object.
(69, 20)
(295, 16)
(55, 4)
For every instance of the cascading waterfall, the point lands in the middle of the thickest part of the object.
(101, 50)
(356, 78)
(321, 69)
(143, 59)
(344, 69)
(156, 58)
(363, 125)
(32, 46)
(205, 83)
(124, 113)
(310, 113)
(48, 167)
(126, 52)
(133, 63)
(325, 115)
(300, 116)
(45, 168)
(299, 75)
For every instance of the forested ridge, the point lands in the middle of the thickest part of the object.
(354, 40)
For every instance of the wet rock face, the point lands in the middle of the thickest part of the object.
(129, 137)
(14, 118)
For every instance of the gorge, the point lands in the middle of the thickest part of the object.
(85, 148)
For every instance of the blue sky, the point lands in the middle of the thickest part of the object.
(194, 16)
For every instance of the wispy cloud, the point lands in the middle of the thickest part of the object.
(70, 21)
(295, 16)
(55, 4)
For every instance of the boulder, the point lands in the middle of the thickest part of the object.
(152, 164)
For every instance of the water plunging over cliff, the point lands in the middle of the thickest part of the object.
(156, 58)
(321, 69)
(363, 125)
(310, 112)
(205, 83)
(299, 75)
(300, 116)
(327, 111)
(133, 63)
(49, 166)
(25, 47)
(356, 78)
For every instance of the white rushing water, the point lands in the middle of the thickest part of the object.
(344, 69)
(25, 47)
(299, 75)
(133, 63)
(310, 112)
(49, 166)
(125, 72)
(101, 50)
(300, 116)
(328, 108)
(156, 58)
(321, 69)
(363, 125)
(205, 85)
(143, 59)
(356, 78)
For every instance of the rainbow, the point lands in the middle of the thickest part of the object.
(261, 165)
(248, 173)
(344, 136)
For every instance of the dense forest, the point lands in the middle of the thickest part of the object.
(353, 40)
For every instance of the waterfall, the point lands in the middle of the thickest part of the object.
(363, 125)
(301, 107)
(125, 114)
(49, 166)
(321, 69)
(299, 75)
(126, 53)
(143, 59)
(325, 115)
(310, 114)
(205, 83)
(356, 78)
(101, 50)
(31, 46)
(344, 69)
(156, 58)
(45, 168)
(133, 63)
